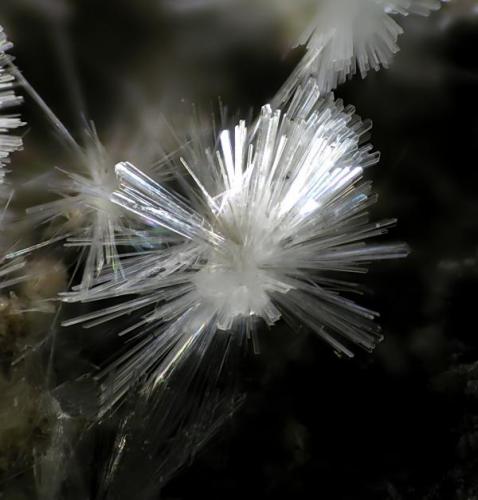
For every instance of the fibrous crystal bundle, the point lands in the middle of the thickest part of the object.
(349, 36)
(8, 144)
(83, 214)
(264, 222)
(268, 225)
(8, 99)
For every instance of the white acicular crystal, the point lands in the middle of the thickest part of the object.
(10, 270)
(84, 214)
(8, 121)
(347, 36)
(269, 221)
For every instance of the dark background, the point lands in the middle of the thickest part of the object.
(401, 423)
